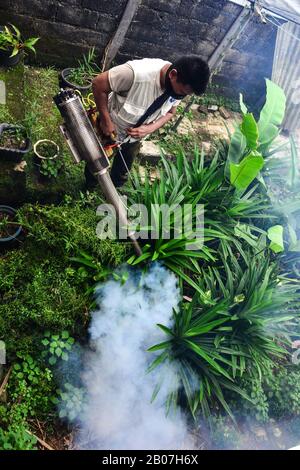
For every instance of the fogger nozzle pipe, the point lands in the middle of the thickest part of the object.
(85, 145)
(112, 196)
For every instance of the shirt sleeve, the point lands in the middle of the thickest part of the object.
(121, 78)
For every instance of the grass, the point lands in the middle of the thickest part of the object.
(14, 109)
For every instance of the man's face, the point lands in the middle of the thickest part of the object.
(178, 87)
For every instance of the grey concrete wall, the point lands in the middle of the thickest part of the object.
(160, 28)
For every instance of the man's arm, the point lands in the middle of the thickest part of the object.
(101, 89)
(145, 129)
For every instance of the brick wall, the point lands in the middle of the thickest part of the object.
(68, 28)
(160, 28)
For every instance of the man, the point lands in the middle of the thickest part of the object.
(140, 96)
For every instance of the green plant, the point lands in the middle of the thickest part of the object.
(70, 228)
(57, 346)
(29, 395)
(282, 388)
(51, 168)
(181, 110)
(252, 140)
(228, 213)
(38, 294)
(274, 395)
(32, 384)
(11, 40)
(86, 69)
(230, 329)
(70, 402)
(258, 408)
(29, 370)
(17, 438)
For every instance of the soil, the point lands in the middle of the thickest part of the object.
(7, 229)
(11, 139)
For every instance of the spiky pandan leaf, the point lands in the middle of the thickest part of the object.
(203, 182)
(217, 343)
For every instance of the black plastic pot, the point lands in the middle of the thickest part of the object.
(9, 240)
(65, 83)
(10, 154)
(7, 61)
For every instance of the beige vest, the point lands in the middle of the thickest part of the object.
(125, 111)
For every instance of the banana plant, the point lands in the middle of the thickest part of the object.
(251, 140)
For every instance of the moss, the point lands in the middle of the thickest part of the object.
(36, 294)
(39, 286)
(13, 77)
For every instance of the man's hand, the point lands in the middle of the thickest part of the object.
(140, 132)
(107, 127)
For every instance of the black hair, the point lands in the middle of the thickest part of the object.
(193, 71)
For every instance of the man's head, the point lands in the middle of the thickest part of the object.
(187, 75)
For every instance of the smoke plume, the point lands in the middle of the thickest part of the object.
(118, 412)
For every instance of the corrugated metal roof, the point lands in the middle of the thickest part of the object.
(286, 71)
(286, 9)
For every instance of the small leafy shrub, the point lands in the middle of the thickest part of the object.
(70, 401)
(51, 168)
(276, 394)
(283, 392)
(258, 408)
(30, 389)
(86, 70)
(57, 346)
(17, 438)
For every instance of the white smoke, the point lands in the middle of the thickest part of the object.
(118, 413)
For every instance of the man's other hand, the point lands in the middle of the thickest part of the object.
(140, 132)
